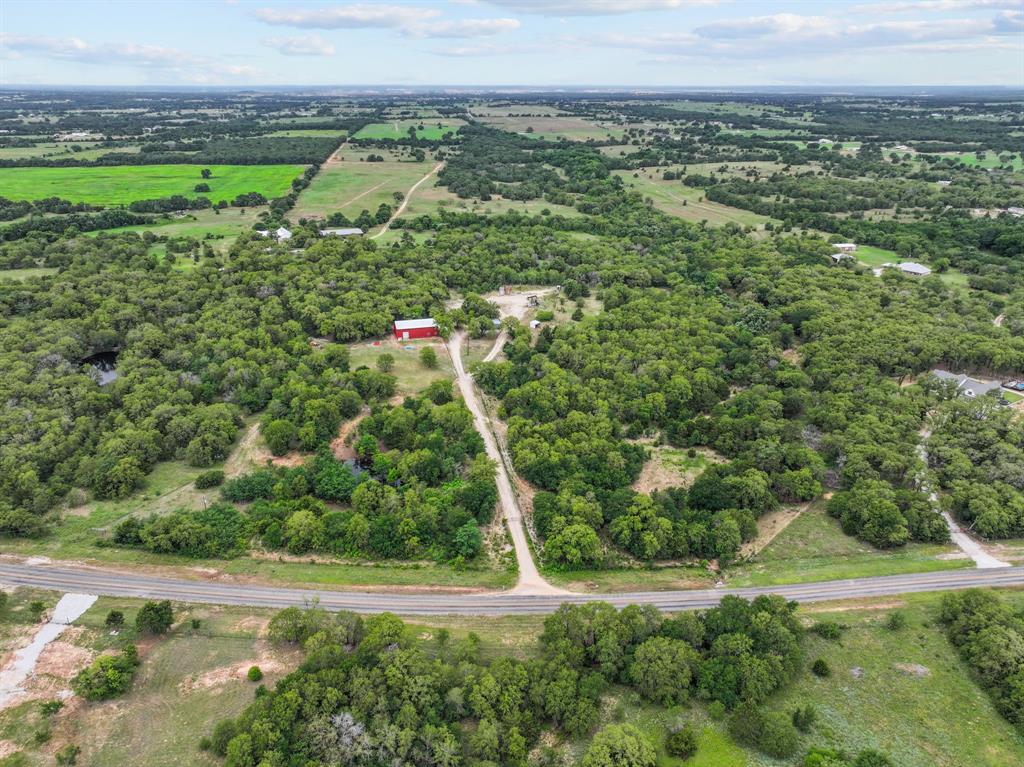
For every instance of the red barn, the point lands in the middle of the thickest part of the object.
(406, 329)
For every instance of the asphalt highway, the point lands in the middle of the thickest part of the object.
(91, 580)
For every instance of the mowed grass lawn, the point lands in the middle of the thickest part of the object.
(351, 187)
(433, 129)
(814, 548)
(122, 184)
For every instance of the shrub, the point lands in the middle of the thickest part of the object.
(36, 608)
(545, 315)
(896, 621)
(682, 743)
(385, 363)
(108, 676)
(821, 668)
(250, 487)
(211, 478)
(804, 718)
(68, 755)
(829, 630)
(154, 617)
(770, 732)
(716, 710)
(51, 707)
(428, 357)
(255, 674)
(279, 435)
(114, 620)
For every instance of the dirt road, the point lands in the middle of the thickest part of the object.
(405, 201)
(530, 580)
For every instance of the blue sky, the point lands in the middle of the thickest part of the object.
(513, 42)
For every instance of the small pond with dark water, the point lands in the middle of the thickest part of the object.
(105, 365)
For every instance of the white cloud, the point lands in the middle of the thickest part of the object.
(595, 7)
(462, 28)
(303, 45)
(357, 16)
(73, 49)
(904, 6)
(490, 49)
(156, 59)
(410, 20)
(788, 35)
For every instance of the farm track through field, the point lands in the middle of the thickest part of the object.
(405, 200)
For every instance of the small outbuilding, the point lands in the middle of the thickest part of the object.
(351, 232)
(421, 328)
(914, 269)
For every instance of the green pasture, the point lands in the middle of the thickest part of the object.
(122, 184)
(433, 129)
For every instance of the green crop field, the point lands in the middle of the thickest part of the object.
(400, 129)
(122, 184)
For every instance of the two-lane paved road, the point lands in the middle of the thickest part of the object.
(122, 584)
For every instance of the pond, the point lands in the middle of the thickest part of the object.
(105, 365)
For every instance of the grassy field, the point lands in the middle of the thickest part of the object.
(989, 160)
(433, 129)
(308, 133)
(874, 257)
(120, 185)
(813, 547)
(62, 149)
(674, 198)
(412, 376)
(429, 199)
(224, 226)
(906, 693)
(555, 127)
(351, 187)
(23, 274)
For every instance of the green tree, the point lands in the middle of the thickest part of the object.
(428, 357)
(619, 746)
(154, 617)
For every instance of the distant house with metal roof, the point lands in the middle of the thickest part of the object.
(351, 232)
(967, 386)
(278, 234)
(914, 269)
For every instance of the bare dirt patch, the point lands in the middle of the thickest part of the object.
(668, 468)
(341, 445)
(266, 659)
(793, 356)
(7, 748)
(769, 526)
(62, 658)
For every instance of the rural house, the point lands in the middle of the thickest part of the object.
(353, 232)
(845, 247)
(422, 328)
(967, 386)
